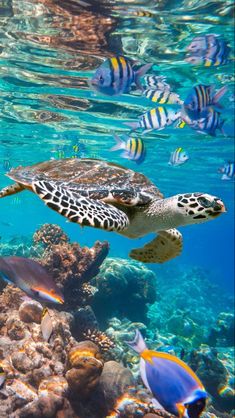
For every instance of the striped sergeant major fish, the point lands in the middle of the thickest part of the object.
(209, 50)
(134, 148)
(116, 75)
(228, 171)
(199, 98)
(156, 82)
(162, 96)
(178, 157)
(209, 124)
(157, 118)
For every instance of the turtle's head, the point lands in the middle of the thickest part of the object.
(199, 207)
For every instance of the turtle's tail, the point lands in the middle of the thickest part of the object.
(12, 189)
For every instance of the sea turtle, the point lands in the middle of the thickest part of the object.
(104, 195)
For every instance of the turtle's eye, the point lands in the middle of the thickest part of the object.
(206, 203)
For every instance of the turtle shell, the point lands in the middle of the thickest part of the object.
(96, 179)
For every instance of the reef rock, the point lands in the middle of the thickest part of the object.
(124, 287)
(85, 367)
(31, 311)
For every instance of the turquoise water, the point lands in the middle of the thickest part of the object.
(49, 51)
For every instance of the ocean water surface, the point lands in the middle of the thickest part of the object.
(49, 51)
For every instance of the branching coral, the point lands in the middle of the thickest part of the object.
(49, 234)
(72, 266)
(100, 338)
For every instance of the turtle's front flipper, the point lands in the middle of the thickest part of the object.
(167, 245)
(79, 209)
(12, 189)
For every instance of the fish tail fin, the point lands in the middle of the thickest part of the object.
(132, 125)
(218, 96)
(138, 344)
(221, 127)
(119, 143)
(139, 73)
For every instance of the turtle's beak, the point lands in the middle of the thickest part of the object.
(219, 207)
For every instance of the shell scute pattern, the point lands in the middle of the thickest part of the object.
(98, 180)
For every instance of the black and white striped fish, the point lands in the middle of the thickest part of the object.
(156, 82)
(178, 157)
(209, 124)
(228, 171)
(116, 75)
(162, 96)
(157, 118)
(134, 148)
(208, 50)
(199, 98)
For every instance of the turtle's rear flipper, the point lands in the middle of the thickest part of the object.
(167, 245)
(12, 189)
(79, 209)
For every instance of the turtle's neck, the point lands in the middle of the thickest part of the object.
(165, 213)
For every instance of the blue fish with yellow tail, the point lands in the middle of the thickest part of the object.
(172, 382)
(134, 148)
(30, 277)
(116, 75)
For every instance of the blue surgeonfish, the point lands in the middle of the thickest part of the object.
(200, 98)
(174, 385)
(116, 75)
(30, 277)
(178, 157)
(134, 148)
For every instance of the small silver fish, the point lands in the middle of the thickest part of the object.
(46, 325)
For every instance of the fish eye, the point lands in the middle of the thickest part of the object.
(101, 79)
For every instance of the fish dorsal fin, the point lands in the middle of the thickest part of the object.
(148, 355)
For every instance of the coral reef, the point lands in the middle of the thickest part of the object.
(222, 334)
(49, 234)
(81, 371)
(124, 289)
(188, 319)
(62, 377)
(21, 247)
(72, 266)
(216, 377)
(100, 338)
